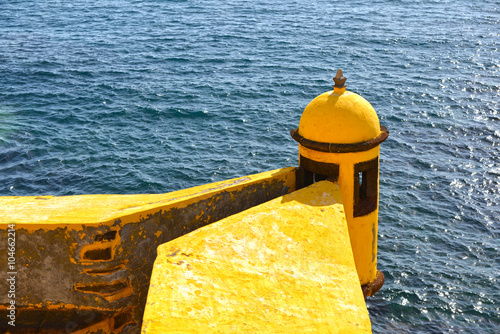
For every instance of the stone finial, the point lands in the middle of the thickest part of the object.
(339, 79)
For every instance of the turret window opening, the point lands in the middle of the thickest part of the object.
(315, 171)
(362, 185)
(365, 187)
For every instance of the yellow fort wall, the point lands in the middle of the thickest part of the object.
(83, 263)
(285, 266)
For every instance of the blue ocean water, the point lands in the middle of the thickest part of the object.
(150, 96)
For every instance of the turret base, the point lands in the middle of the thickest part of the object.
(372, 288)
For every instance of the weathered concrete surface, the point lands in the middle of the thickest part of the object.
(83, 263)
(285, 266)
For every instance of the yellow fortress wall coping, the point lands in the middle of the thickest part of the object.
(285, 266)
(31, 211)
(93, 254)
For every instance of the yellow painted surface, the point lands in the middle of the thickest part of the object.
(77, 255)
(362, 230)
(52, 211)
(285, 266)
(340, 117)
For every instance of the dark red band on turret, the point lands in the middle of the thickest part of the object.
(340, 148)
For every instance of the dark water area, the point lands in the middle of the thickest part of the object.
(153, 96)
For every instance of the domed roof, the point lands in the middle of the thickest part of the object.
(339, 117)
(339, 121)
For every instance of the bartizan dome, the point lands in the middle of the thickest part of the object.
(339, 117)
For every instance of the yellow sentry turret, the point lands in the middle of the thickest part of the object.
(339, 136)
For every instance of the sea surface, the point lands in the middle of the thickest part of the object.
(150, 96)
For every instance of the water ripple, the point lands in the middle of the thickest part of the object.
(154, 96)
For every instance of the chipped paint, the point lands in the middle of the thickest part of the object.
(111, 291)
(102, 249)
(106, 271)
